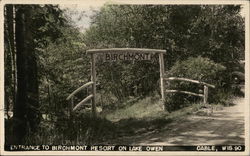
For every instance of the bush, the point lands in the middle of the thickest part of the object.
(84, 129)
(201, 69)
(131, 79)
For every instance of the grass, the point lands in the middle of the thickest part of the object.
(149, 108)
(146, 115)
(144, 108)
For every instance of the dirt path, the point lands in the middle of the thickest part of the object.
(224, 126)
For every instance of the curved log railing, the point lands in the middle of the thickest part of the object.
(71, 96)
(205, 92)
(79, 89)
(83, 101)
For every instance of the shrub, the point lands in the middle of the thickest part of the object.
(84, 129)
(198, 68)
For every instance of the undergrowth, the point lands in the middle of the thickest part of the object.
(142, 116)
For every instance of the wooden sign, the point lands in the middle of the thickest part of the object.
(125, 56)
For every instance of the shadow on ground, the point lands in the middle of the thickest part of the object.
(221, 127)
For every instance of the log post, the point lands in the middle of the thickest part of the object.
(93, 79)
(69, 109)
(205, 94)
(162, 70)
(71, 105)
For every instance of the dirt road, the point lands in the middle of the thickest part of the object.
(224, 126)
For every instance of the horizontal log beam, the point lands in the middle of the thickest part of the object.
(184, 92)
(79, 89)
(124, 50)
(190, 80)
(83, 101)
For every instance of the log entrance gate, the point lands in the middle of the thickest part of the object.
(130, 52)
(118, 53)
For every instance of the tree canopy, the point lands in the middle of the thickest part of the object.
(214, 32)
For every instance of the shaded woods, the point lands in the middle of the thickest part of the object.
(45, 60)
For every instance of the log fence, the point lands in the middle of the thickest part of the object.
(205, 88)
(74, 107)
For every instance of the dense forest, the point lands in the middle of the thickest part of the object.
(45, 60)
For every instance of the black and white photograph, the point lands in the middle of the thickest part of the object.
(124, 77)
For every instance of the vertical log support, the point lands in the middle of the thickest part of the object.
(93, 79)
(205, 94)
(162, 70)
(72, 104)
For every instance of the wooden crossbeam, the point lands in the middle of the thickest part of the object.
(124, 50)
(79, 89)
(184, 92)
(83, 101)
(190, 80)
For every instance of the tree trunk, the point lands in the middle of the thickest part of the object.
(19, 109)
(33, 112)
(11, 53)
(7, 65)
(26, 110)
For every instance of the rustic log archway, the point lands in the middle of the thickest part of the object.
(121, 54)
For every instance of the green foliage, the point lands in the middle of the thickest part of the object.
(64, 67)
(130, 79)
(201, 69)
(214, 32)
(58, 50)
(77, 130)
(83, 129)
(48, 21)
